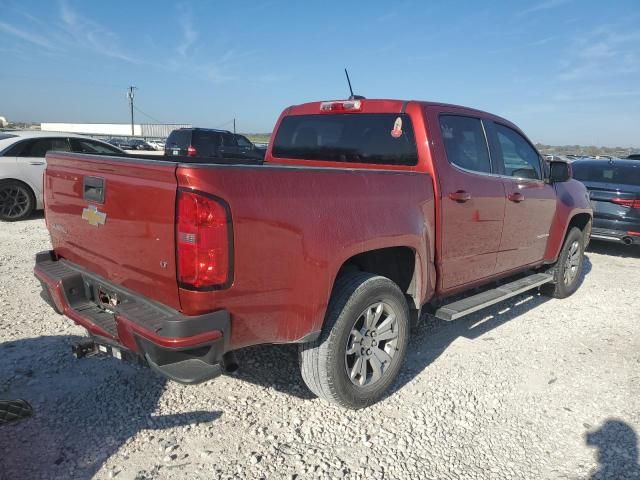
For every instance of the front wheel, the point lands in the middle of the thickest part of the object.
(363, 342)
(568, 269)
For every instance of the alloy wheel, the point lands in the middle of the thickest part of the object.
(14, 201)
(372, 344)
(572, 263)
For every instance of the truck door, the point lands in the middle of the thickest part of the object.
(472, 200)
(531, 203)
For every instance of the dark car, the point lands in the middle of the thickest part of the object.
(614, 189)
(634, 156)
(210, 143)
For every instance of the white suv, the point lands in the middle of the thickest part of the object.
(22, 164)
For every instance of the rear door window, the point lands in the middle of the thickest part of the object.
(206, 143)
(229, 140)
(376, 138)
(17, 148)
(518, 157)
(38, 148)
(80, 145)
(465, 143)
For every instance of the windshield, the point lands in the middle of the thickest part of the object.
(378, 138)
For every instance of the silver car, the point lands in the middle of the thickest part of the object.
(22, 164)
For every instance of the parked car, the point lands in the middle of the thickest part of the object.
(206, 143)
(156, 144)
(22, 163)
(364, 213)
(634, 156)
(614, 190)
(138, 144)
(121, 143)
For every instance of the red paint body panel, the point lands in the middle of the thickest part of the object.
(293, 232)
(138, 233)
(296, 222)
(526, 223)
(470, 232)
(572, 199)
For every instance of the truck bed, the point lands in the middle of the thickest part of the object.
(292, 229)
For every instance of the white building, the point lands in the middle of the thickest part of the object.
(147, 130)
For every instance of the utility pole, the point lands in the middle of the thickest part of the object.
(234, 126)
(130, 95)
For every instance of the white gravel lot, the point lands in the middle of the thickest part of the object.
(532, 389)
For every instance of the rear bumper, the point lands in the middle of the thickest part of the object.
(628, 237)
(182, 348)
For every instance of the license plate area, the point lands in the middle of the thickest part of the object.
(105, 298)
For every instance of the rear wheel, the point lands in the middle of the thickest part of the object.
(569, 266)
(17, 201)
(363, 342)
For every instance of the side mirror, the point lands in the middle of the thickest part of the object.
(559, 171)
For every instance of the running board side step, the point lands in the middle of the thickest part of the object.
(477, 302)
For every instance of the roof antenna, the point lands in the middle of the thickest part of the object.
(352, 96)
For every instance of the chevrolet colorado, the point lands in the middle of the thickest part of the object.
(363, 213)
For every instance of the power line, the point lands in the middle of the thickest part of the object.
(225, 123)
(148, 116)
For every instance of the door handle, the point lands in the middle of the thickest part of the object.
(460, 196)
(36, 163)
(516, 197)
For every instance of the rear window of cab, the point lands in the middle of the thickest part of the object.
(375, 138)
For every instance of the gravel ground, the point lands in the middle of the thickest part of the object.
(532, 389)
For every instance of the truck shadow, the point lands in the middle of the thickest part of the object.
(617, 450)
(433, 336)
(84, 410)
(276, 366)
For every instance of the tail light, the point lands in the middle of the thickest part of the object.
(626, 203)
(191, 151)
(203, 241)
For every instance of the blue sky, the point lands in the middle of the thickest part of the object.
(566, 71)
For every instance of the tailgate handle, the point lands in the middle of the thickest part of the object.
(93, 189)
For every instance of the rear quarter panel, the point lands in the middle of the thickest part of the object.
(293, 229)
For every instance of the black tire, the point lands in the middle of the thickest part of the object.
(324, 362)
(565, 281)
(17, 201)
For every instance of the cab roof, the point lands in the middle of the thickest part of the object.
(375, 105)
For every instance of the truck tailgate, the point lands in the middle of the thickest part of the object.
(115, 217)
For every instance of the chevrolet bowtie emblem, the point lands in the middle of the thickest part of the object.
(93, 216)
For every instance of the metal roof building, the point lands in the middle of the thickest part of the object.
(147, 130)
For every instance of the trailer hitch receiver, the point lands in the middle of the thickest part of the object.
(84, 348)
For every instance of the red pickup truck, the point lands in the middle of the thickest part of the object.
(363, 214)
